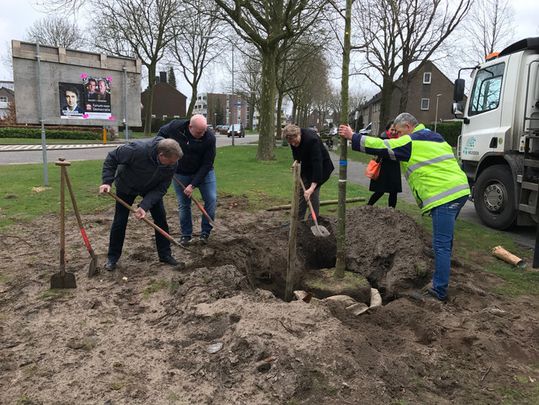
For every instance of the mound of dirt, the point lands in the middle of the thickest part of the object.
(209, 333)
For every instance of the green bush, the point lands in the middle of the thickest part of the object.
(35, 133)
(449, 130)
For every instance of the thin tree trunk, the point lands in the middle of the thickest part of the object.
(279, 106)
(194, 94)
(403, 102)
(340, 264)
(266, 139)
(149, 102)
(385, 102)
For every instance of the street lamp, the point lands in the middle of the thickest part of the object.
(436, 115)
(233, 104)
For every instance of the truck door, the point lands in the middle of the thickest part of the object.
(484, 112)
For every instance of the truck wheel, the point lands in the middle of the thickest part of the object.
(494, 197)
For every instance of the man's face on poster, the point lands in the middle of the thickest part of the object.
(102, 87)
(71, 99)
(91, 86)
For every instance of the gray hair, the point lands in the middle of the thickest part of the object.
(169, 148)
(291, 131)
(406, 118)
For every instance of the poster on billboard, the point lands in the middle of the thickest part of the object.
(97, 97)
(89, 100)
(71, 100)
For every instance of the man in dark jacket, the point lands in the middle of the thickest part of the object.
(316, 165)
(194, 170)
(142, 168)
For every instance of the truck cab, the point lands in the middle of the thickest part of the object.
(499, 143)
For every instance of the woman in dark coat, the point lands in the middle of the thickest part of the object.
(389, 179)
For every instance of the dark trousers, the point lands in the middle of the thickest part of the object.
(392, 199)
(117, 230)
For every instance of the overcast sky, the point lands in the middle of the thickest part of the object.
(18, 15)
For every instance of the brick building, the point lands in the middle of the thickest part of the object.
(428, 87)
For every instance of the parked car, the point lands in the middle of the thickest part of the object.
(222, 129)
(366, 130)
(238, 130)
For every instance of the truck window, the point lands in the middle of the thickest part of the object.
(486, 89)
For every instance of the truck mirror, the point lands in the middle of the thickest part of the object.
(458, 93)
(458, 110)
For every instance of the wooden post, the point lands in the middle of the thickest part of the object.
(104, 135)
(292, 238)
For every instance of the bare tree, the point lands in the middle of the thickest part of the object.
(377, 24)
(56, 31)
(249, 79)
(422, 28)
(489, 27)
(140, 28)
(266, 23)
(195, 44)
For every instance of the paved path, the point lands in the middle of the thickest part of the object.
(23, 148)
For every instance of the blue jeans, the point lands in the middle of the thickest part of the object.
(208, 190)
(443, 226)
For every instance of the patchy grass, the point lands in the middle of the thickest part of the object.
(54, 294)
(155, 286)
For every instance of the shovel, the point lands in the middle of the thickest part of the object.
(154, 226)
(62, 279)
(92, 269)
(317, 230)
(200, 207)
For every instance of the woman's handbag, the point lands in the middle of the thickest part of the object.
(372, 171)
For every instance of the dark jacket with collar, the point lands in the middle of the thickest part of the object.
(316, 165)
(198, 154)
(135, 169)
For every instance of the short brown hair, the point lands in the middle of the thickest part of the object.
(291, 131)
(169, 148)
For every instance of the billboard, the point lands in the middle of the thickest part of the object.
(89, 99)
(76, 87)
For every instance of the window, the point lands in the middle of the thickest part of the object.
(425, 104)
(487, 89)
(3, 99)
(427, 78)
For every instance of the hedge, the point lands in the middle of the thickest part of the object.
(449, 130)
(35, 133)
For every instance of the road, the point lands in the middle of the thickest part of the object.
(524, 236)
(8, 154)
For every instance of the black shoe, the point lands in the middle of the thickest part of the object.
(204, 238)
(185, 240)
(110, 265)
(169, 260)
(430, 293)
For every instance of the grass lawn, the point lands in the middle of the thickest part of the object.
(264, 184)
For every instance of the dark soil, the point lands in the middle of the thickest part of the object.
(216, 331)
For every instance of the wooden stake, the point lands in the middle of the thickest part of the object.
(326, 202)
(292, 238)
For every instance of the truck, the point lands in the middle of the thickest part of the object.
(498, 148)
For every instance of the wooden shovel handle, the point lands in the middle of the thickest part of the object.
(154, 226)
(313, 214)
(77, 214)
(200, 207)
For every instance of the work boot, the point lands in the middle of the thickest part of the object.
(204, 238)
(110, 265)
(185, 240)
(169, 260)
